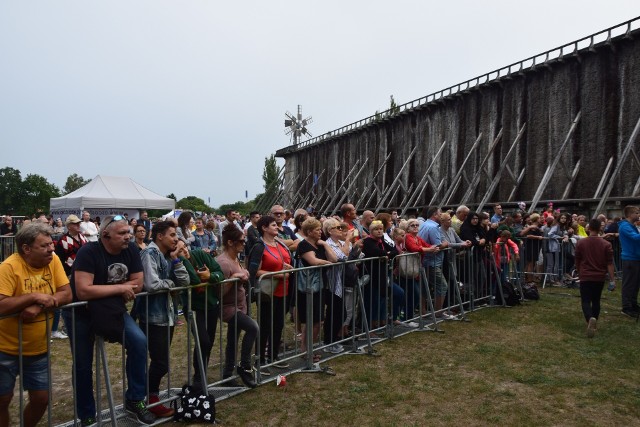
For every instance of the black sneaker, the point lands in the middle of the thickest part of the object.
(88, 422)
(631, 313)
(138, 409)
(246, 375)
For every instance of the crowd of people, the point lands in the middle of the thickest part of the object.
(108, 263)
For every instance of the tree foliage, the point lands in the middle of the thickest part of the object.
(272, 183)
(11, 191)
(25, 197)
(271, 173)
(74, 181)
(243, 207)
(193, 203)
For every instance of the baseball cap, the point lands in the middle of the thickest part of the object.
(72, 219)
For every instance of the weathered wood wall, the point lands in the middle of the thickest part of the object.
(601, 82)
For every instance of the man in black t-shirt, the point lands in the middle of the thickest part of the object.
(108, 274)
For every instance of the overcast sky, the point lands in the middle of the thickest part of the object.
(188, 97)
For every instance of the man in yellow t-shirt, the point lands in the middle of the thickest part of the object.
(32, 284)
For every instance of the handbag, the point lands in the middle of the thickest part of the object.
(309, 281)
(409, 266)
(268, 285)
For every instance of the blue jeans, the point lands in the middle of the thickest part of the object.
(82, 340)
(398, 301)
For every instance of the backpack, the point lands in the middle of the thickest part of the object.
(192, 405)
(510, 293)
(530, 291)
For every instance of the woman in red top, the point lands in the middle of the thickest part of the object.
(414, 243)
(267, 256)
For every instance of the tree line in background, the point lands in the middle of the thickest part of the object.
(31, 195)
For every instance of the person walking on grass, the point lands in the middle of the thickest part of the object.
(594, 259)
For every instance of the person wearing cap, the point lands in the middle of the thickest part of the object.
(66, 248)
(69, 244)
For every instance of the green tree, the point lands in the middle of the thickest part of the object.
(271, 173)
(74, 181)
(172, 196)
(393, 107)
(193, 203)
(38, 191)
(242, 207)
(11, 191)
(272, 183)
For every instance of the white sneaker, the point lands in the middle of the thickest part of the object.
(447, 316)
(335, 349)
(412, 324)
(59, 335)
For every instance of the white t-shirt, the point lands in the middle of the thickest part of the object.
(90, 230)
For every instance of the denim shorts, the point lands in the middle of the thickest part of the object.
(35, 372)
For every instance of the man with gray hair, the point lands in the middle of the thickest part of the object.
(459, 217)
(108, 274)
(32, 284)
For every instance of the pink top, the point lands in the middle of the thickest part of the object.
(232, 302)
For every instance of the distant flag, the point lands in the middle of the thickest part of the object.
(246, 194)
(209, 201)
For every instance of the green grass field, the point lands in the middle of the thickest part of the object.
(527, 365)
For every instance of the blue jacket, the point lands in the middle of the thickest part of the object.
(159, 274)
(629, 240)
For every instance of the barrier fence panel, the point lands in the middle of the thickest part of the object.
(361, 302)
(7, 247)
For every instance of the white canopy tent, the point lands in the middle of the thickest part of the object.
(106, 195)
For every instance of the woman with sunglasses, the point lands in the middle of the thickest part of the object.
(234, 308)
(334, 294)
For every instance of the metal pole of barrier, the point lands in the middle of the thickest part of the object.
(430, 307)
(107, 378)
(203, 372)
(98, 383)
(456, 298)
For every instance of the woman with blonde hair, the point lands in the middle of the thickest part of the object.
(311, 252)
(374, 246)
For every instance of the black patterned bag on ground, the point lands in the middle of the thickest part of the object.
(530, 291)
(195, 406)
(510, 293)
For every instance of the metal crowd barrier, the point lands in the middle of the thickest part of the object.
(375, 303)
(7, 247)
